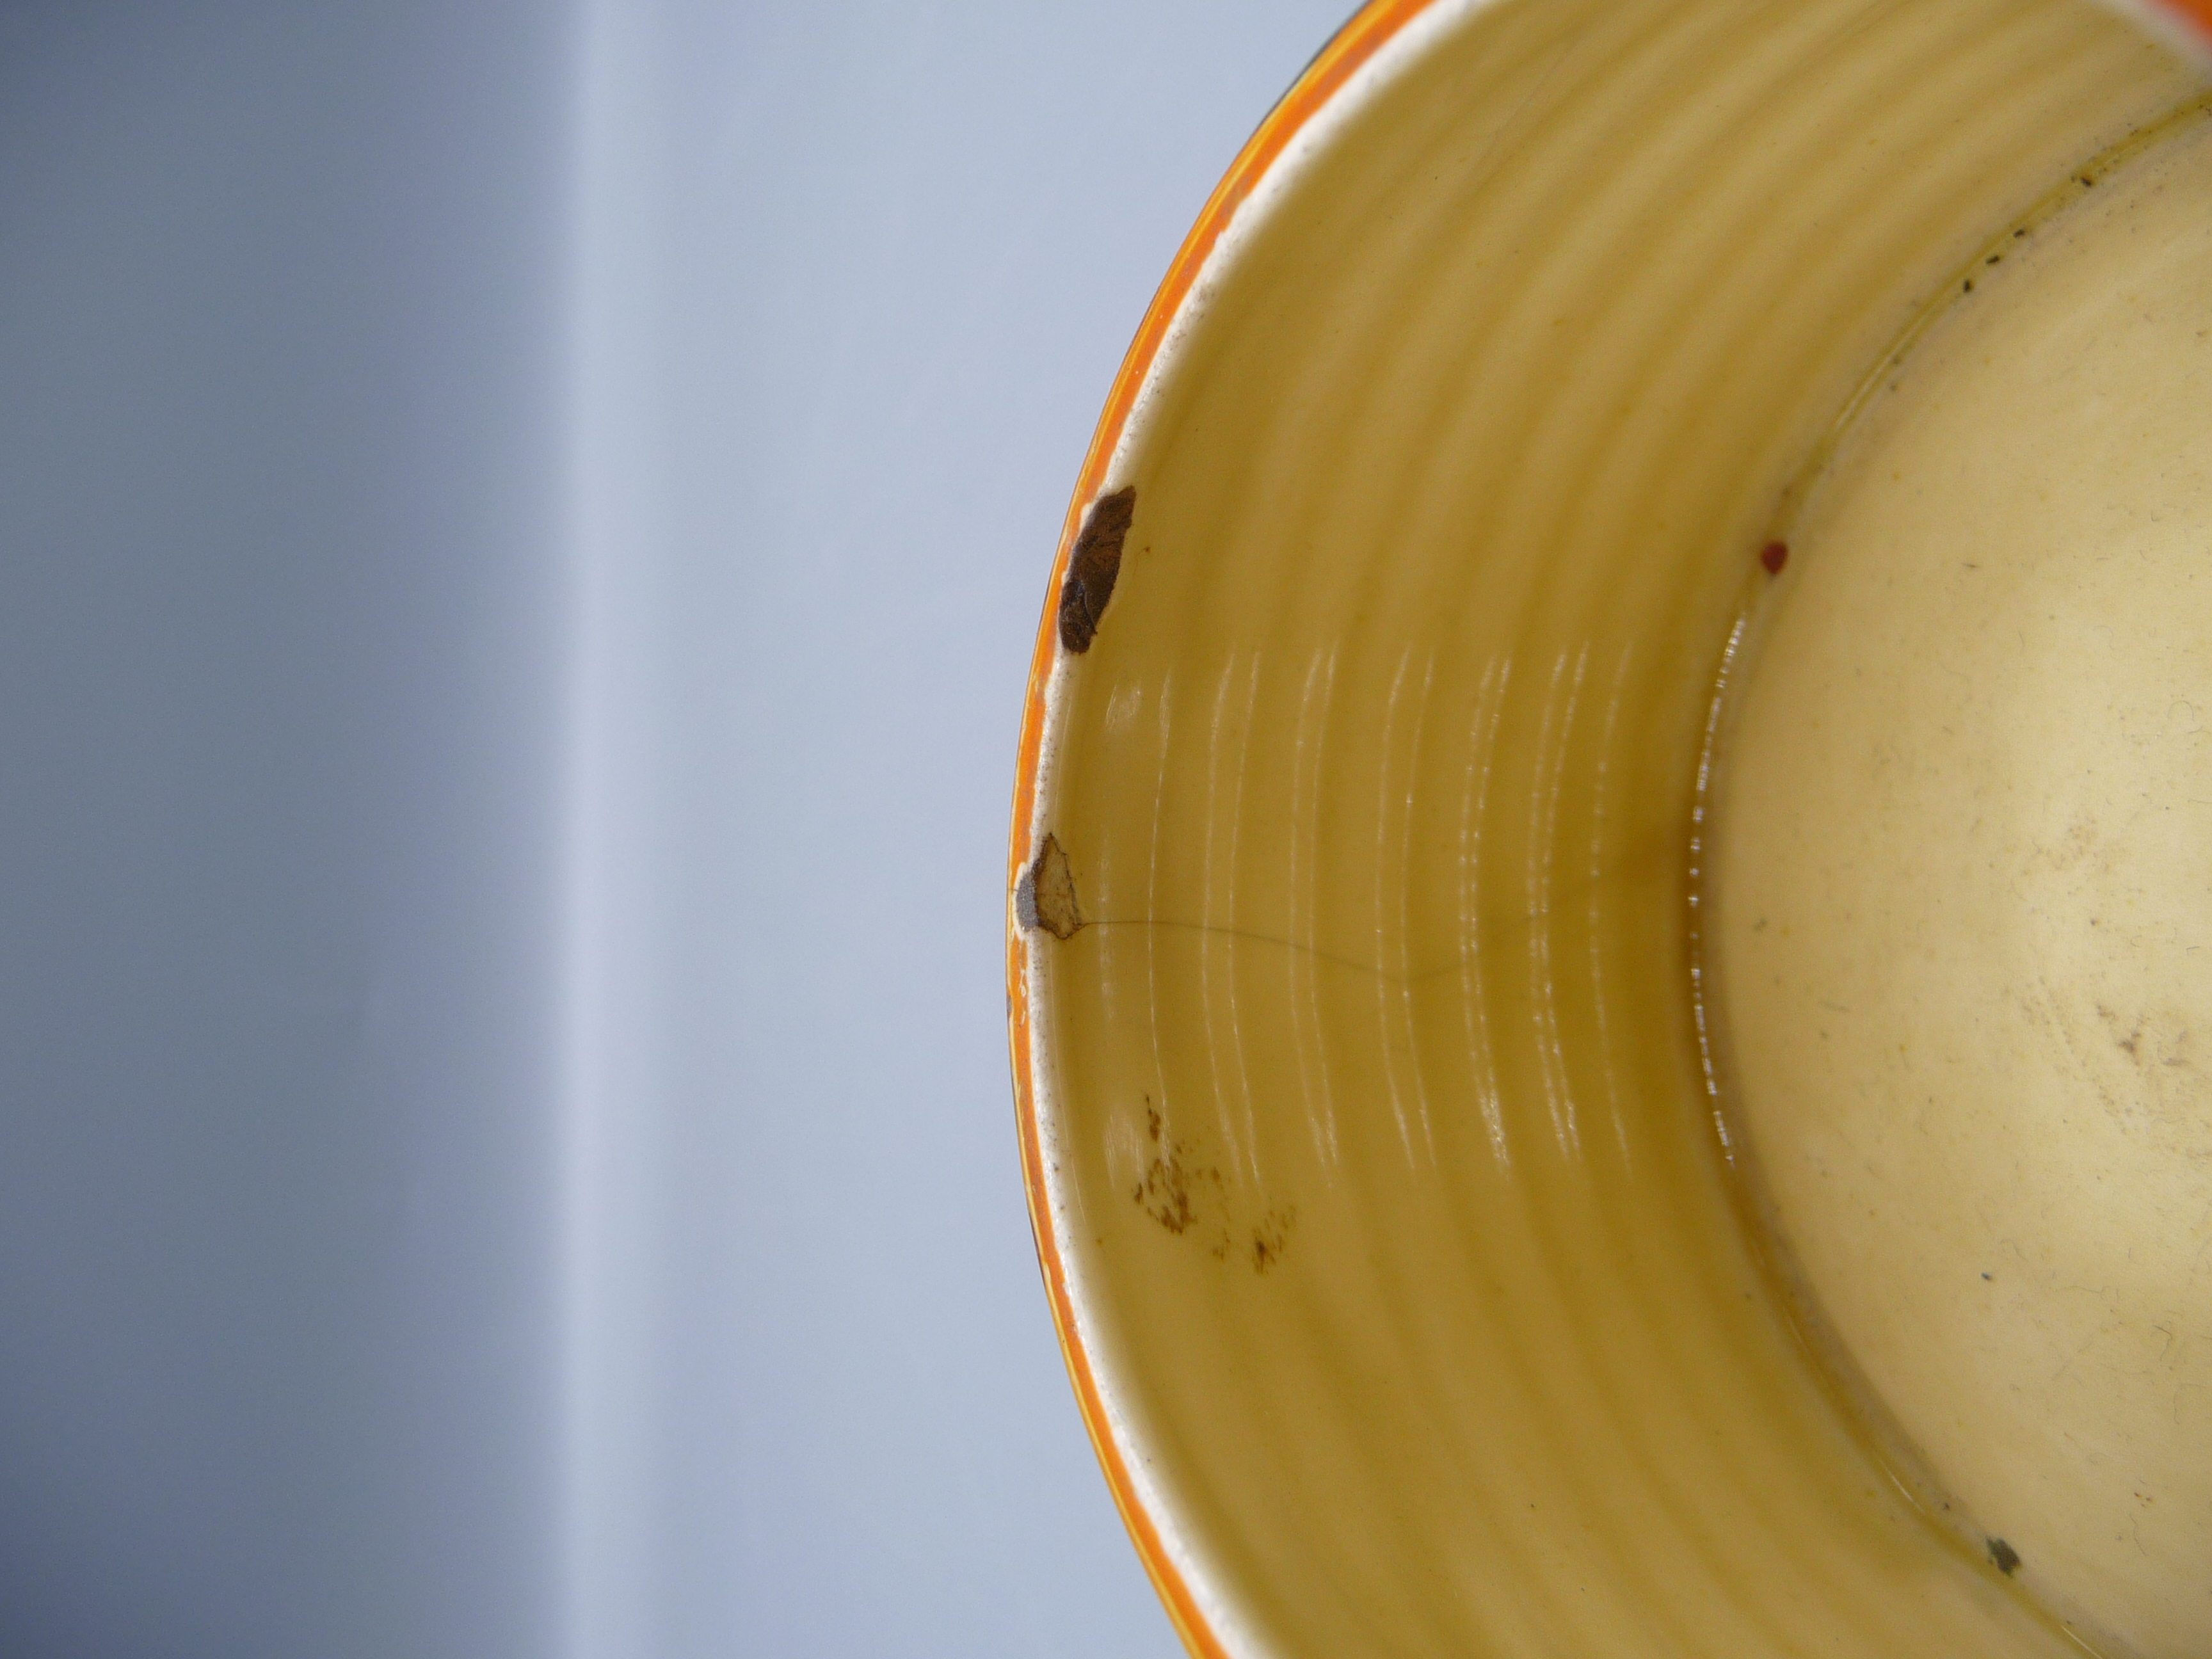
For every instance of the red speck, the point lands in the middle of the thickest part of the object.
(1774, 556)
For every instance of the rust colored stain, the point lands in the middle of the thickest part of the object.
(1045, 895)
(1187, 1196)
(1272, 1237)
(1171, 1190)
(1774, 556)
(1093, 567)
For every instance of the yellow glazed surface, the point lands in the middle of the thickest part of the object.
(1964, 886)
(1400, 1269)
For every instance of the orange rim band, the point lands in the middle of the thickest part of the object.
(2197, 12)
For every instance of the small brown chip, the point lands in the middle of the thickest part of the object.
(1045, 897)
(1094, 566)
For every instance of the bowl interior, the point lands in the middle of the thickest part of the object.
(1376, 1170)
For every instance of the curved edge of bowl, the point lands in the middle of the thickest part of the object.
(1373, 26)
(2185, 23)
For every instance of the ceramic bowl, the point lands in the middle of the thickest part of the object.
(1405, 1282)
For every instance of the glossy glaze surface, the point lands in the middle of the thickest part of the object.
(1964, 901)
(1375, 1180)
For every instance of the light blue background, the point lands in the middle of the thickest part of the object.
(521, 528)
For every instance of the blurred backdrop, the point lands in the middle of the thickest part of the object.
(521, 530)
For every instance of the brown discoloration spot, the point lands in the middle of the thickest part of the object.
(2004, 1557)
(1094, 566)
(2081, 842)
(1045, 895)
(1773, 556)
(1271, 1236)
(1171, 1190)
(1188, 1196)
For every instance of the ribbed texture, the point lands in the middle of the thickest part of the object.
(1376, 1150)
